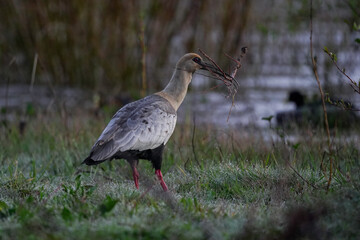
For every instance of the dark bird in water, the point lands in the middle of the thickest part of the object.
(311, 112)
(140, 129)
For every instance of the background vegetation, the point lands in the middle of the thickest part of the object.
(237, 182)
(99, 44)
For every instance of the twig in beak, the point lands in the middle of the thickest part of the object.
(228, 79)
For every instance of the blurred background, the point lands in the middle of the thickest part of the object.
(95, 56)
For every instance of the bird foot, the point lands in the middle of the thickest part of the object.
(160, 177)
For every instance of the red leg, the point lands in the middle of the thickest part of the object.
(160, 177)
(133, 164)
(136, 177)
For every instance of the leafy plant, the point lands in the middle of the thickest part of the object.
(107, 205)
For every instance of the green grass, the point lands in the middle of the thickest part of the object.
(236, 188)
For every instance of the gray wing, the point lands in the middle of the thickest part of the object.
(141, 125)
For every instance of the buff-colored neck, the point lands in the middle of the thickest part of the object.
(176, 89)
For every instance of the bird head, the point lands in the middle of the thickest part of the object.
(176, 89)
(191, 62)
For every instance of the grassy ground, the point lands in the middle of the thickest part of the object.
(223, 185)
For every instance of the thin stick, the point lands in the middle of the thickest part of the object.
(322, 100)
(233, 73)
(193, 141)
(231, 107)
(143, 57)
(353, 84)
(6, 98)
(297, 173)
(237, 61)
(33, 73)
(212, 61)
(212, 88)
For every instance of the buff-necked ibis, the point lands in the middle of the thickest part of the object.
(140, 129)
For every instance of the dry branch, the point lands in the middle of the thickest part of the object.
(314, 65)
(228, 79)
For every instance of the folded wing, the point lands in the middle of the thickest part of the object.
(141, 125)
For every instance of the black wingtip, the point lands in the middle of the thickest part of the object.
(89, 161)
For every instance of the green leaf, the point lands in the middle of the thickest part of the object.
(267, 118)
(262, 28)
(77, 182)
(66, 215)
(356, 27)
(30, 109)
(89, 189)
(3, 206)
(357, 40)
(296, 146)
(326, 50)
(333, 57)
(331, 54)
(24, 214)
(30, 199)
(108, 205)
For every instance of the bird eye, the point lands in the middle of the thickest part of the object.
(196, 59)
